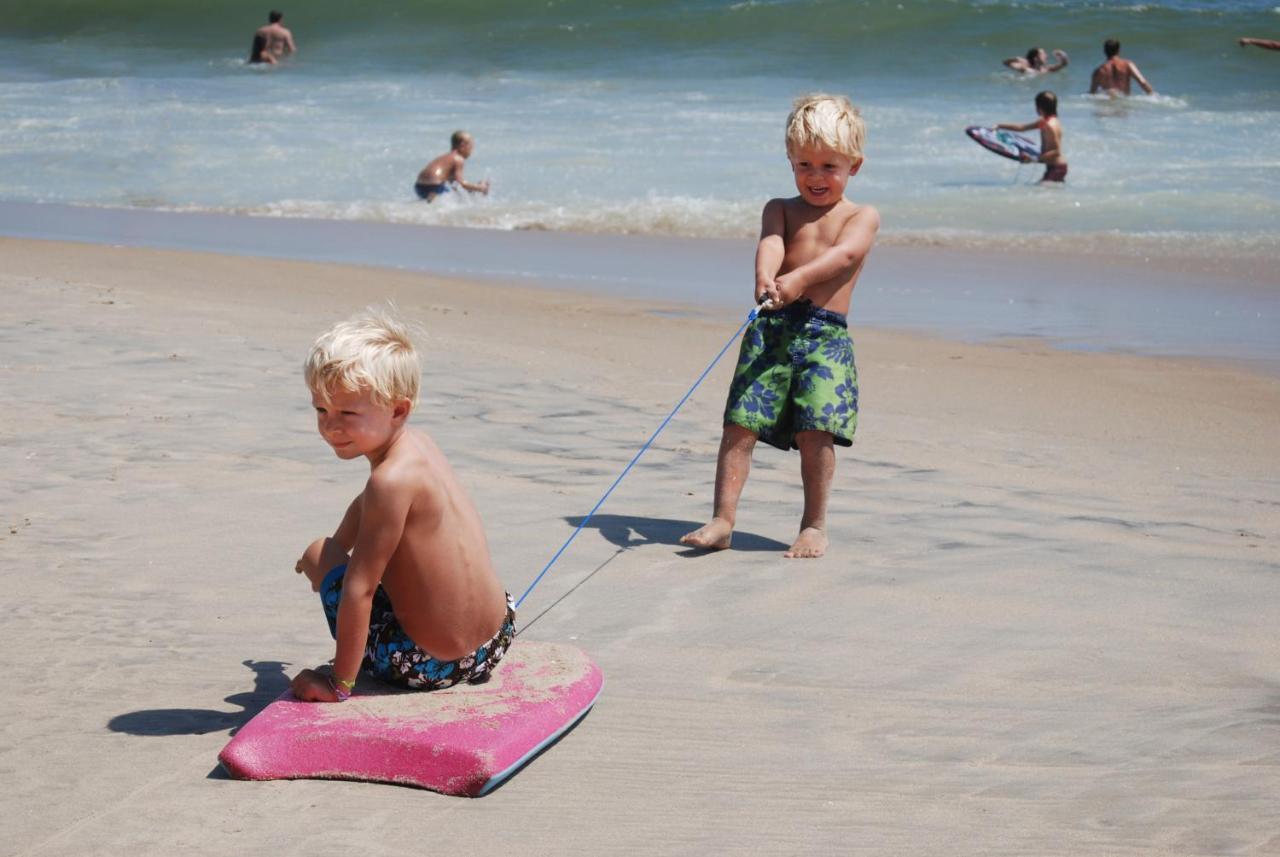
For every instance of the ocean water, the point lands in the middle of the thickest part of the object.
(648, 116)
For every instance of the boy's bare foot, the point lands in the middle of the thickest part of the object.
(714, 535)
(810, 544)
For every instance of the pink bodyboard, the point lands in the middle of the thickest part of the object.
(464, 740)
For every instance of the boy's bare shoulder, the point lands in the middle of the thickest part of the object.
(865, 216)
(408, 466)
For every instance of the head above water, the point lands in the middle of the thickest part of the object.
(1047, 103)
(459, 139)
(1036, 57)
(371, 351)
(274, 17)
(826, 121)
(1111, 47)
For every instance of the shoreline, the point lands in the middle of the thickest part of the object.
(1218, 308)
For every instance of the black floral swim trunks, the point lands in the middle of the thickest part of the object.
(393, 657)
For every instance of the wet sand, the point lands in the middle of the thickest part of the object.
(1047, 623)
(1114, 293)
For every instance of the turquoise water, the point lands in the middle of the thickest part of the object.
(647, 117)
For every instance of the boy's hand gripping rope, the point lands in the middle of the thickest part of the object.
(750, 317)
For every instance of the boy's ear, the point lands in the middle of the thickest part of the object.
(853, 171)
(401, 409)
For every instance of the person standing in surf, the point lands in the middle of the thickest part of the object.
(1055, 166)
(796, 386)
(272, 40)
(1117, 75)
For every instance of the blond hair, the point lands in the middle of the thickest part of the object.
(828, 121)
(373, 351)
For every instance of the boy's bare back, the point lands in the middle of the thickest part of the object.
(440, 577)
(1051, 141)
(446, 169)
(442, 169)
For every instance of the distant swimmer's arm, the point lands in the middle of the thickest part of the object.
(1063, 61)
(289, 46)
(841, 259)
(1096, 83)
(474, 187)
(1267, 44)
(1016, 63)
(470, 187)
(1009, 126)
(1142, 81)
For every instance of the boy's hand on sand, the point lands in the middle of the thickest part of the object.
(312, 686)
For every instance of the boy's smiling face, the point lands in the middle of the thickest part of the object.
(355, 425)
(821, 173)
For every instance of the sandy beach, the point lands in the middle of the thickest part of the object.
(1047, 624)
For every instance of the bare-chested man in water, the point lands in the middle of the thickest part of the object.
(1117, 75)
(272, 40)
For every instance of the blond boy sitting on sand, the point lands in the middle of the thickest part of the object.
(796, 385)
(406, 581)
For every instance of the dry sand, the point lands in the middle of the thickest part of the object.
(1047, 624)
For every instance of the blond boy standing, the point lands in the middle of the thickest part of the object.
(406, 581)
(796, 385)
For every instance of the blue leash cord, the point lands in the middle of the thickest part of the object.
(750, 317)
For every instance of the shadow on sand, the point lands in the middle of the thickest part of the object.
(269, 681)
(627, 531)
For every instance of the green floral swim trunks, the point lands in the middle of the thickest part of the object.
(795, 373)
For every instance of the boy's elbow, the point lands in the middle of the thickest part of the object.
(357, 590)
(850, 254)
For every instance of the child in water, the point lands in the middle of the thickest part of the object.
(1055, 166)
(445, 170)
(1037, 62)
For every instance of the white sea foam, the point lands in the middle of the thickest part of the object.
(611, 139)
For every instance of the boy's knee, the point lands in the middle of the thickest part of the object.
(321, 556)
(737, 436)
(814, 441)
